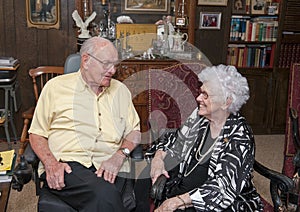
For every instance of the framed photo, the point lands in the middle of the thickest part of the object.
(258, 6)
(180, 21)
(146, 6)
(43, 14)
(272, 8)
(210, 20)
(213, 2)
(239, 7)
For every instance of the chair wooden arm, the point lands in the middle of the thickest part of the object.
(279, 183)
(30, 171)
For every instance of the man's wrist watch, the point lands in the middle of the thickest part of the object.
(125, 152)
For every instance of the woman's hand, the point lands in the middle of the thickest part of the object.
(170, 205)
(110, 168)
(182, 202)
(157, 169)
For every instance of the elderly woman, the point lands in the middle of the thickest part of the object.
(212, 152)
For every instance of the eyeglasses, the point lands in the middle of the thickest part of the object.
(203, 93)
(106, 65)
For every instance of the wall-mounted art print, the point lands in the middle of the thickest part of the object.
(239, 7)
(43, 14)
(210, 20)
(258, 7)
(146, 6)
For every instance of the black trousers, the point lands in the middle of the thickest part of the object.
(85, 192)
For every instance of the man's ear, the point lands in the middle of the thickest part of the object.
(84, 60)
(227, 103)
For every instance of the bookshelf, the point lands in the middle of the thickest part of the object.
(253, 35)
(253, 44)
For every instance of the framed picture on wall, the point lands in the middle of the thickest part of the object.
(210, 20)
(43, 14)
(239, 7)
(258, 6)
(213, 2)
(146, 6)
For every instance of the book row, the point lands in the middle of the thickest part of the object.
(257, 56)
(253, 29)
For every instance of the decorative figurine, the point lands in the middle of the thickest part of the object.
(83, 25)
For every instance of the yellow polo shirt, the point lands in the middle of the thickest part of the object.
(81, 126)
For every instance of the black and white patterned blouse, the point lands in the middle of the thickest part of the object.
(229, 184)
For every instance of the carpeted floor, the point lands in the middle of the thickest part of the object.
(269, 151)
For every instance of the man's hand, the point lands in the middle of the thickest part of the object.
(55, 174)
(111, 167)
(157, 169)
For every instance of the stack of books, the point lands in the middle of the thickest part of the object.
(7, 164)
(8, 62)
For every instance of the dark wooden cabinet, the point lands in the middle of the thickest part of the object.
(257, 109)
(280, 85)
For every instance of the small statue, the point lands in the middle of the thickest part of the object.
(83, 25)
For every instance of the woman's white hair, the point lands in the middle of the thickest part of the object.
(231, 83)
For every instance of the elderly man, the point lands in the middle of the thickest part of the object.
(83, 130)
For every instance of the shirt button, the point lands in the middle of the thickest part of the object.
(100, 129)
(99, 114)
(96, 140)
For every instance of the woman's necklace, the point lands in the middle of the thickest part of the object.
(200, 157)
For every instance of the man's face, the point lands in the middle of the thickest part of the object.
(100, 66)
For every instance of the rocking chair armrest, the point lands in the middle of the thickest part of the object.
(285, 183)
(137, 154)
(156, 192)
(279, 183)
(30, 156)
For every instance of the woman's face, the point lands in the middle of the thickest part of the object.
(211, 100)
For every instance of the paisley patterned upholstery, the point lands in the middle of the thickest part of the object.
(172, 92)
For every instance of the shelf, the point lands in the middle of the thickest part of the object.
(251, 42)
(254, 70)
(290, 38)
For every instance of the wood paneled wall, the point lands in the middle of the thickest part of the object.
(36, 47)
(33, 47)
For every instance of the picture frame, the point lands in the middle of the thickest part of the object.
(272, 8)
(145, 6)
(210, 20)
(239, 7)
(43, 16)
(213, 2)
(258, 7)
